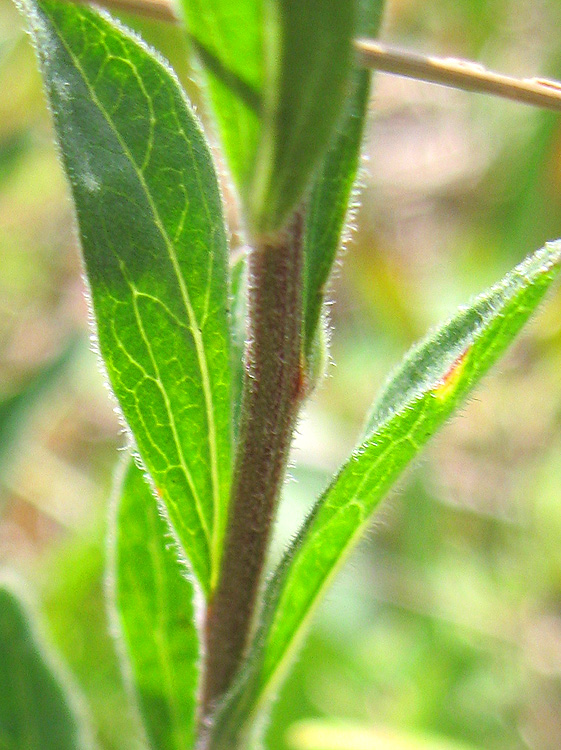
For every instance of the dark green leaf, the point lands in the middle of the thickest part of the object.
(36, 712)
(153, 237)
(332, 188)
(423, 393)
(153, 600)
(308, 64)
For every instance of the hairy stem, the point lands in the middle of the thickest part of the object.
(273, 389)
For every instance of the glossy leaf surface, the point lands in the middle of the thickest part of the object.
(153, 602)
(35, 710)
(434, 379)
(228, 38)
(308, 63)
(150, 222)
(328, 206)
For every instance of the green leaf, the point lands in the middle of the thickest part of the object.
(278, 72)
(308, 64)
(153, 237)
(73, 599)
(36, 710)
(434, 379)
(153, 600)
(228, 38)
(332, 188)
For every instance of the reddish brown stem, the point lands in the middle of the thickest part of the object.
(272, 393)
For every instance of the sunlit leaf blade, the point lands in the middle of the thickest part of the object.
(426, 389)
(150, 221)
(228, 38)
(332, 187)
(153, 603)
(36, 710)
(308, 63)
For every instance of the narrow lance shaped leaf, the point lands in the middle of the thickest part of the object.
(433, 381)
(328, 206)
(308, 54)
(152, 600)
(151, 227)
(37, 710)
(228, 38)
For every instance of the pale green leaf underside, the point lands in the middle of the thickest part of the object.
(35, 710)
(151, 227)
(308, 64)
(228, 37)
(153, 601)
(423, 393)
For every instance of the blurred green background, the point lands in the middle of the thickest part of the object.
(444, 630)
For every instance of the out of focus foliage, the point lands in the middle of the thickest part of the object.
(444, 631)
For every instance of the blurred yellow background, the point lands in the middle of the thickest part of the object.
(444, 630)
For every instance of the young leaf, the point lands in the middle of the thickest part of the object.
(423, 393)
(150, 221)
(228, 37)
(308, 64)
(36, 711)
(332, 187)
(153, 601)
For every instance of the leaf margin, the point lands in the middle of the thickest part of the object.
(248, 697)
